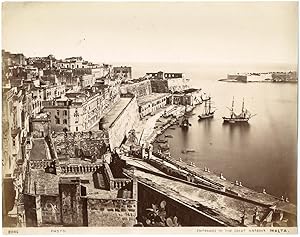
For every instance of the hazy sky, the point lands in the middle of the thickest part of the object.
(199, 32)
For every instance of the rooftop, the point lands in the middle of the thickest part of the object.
(94, 184)
(152, 97)
(42, 183)
(79, 145)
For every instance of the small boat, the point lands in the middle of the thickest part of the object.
(243, 117)
(173, 128)
(208, 113)
(161, 141)
(185, 123)
(169, 135)
(190, 150)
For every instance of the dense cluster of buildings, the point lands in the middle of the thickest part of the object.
(62, 120)
(67, 126)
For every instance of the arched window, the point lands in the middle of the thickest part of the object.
(76, 116)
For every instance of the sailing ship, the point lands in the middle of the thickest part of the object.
(204, 98)
(208, 113)
(243, 117)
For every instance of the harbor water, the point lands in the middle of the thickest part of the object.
(261, 154)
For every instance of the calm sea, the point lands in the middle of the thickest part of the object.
(260, 155)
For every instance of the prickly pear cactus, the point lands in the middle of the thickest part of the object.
(157, 216)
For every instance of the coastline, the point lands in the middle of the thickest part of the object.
(266, 81)
(197, 175)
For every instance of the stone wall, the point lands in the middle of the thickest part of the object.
(139, 89)
(71, 203)
(123, 124)
(111, 212)
(186, 215)
(30, 210)
(50, 206)
(159, 86)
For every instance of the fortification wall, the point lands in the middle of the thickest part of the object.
(139, 88)
(159, 86)
(123, 124)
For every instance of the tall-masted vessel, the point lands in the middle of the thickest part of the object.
(208, 112)
(243, 117)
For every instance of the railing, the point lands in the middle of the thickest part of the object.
(120, 183)
(114, 183)
(66, 169)
(39, 164)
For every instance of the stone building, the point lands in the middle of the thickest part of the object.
(167, 82)
(123, 73)
(86, 195)
(150, 103)
(10, 59)
(75, 112)
(186, 97)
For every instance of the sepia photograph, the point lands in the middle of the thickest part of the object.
(134, 117)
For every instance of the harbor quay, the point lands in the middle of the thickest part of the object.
(85, 151)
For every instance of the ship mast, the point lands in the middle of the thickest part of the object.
(232, 107)
(209, 105)
(243, 105)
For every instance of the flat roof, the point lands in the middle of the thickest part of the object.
(42, 183)
(87, 180)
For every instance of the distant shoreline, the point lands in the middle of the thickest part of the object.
(266, 81)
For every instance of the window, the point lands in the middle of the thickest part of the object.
(76, 129)
(57, 112)
(57, 121)
(65, 121)
(14, 142)
(65, 112)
